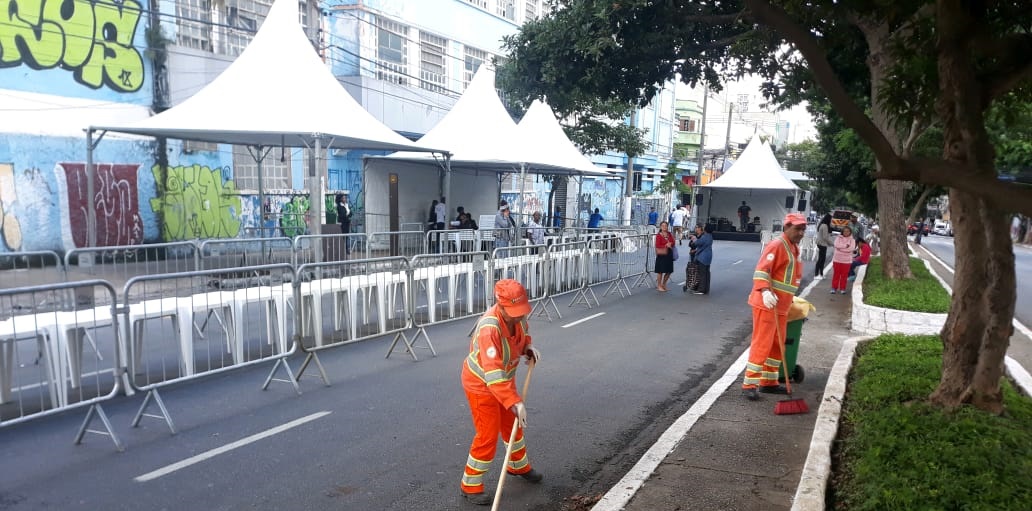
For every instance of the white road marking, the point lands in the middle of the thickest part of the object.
(621, 493)
(579, 321)
(736, 262)
(149, 476)
(813, 283)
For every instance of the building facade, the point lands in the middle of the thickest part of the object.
(405, 61)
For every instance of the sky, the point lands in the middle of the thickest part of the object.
(754, 118)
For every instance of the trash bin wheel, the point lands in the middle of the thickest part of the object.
(798, 374)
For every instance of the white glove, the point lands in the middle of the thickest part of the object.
(533, 354)
(520, 411)
(770, 300)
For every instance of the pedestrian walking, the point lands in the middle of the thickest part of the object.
(845, 244)
(775, 282)
(489, 380)
(677, 224)
(664, 256)
(653, 216)
(595, 219)
(823, 242)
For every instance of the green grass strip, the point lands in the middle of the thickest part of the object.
(922, 294)
(895, 451)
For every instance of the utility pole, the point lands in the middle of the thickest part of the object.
(629, 185)
(702, 146)
(727, 140)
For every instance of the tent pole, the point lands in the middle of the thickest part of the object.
(91, 206)
(446, 193)
(523, 190)
(315, 198)
(580, 192)
(259, 157)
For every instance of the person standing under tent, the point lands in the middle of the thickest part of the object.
(489, 381)
(775, 282)
(344, 217)
(743, 215)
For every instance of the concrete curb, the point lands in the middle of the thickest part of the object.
(868, 319)
(813, 484)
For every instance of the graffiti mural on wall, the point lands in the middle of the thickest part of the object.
(294, 216)
(94, 40)
(197, 203)
(116, 202)
(10, 228)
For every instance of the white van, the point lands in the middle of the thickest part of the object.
(942, 228)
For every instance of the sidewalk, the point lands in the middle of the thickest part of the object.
(738, 455)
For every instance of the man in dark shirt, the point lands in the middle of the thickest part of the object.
(743, 215)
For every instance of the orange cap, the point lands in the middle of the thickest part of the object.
(511, 296)
(794, 219)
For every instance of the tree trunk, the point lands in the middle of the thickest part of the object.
(978, 327)
(891, 194)
(916, 210)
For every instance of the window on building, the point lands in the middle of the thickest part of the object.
(242, 18)
(433, 51)
(506, 9)
(193, 146)
(193, 24)
(391, 51)
(743, 103)
(474, 59)
(479, 3)
(275, 173)
(636, 182)
(530, 12)
(691, 126)
(687, 125)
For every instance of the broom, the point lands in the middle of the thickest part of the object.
(787, 406)
(512, 439)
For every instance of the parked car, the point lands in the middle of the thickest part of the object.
(839, 219)
(912, 230)
(942, 228)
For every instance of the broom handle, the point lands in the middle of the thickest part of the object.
(784, 356)
(512, 439)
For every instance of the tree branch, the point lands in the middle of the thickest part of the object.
(1002, 82)
(1009, 197)
(916, 129)
(852, 115)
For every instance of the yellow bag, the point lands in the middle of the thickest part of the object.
(800, 309)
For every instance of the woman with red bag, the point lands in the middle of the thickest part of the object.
(664, 256)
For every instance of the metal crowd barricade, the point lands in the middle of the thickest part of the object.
(396, 244)
(118, 264)
(22, 269)
(239, 252)
(55, 357)
(445, 287)
(219, 322)
(638, 259)
(330, 247)
(528, 264)
(567, 273)
(347, 301)
(451, 241)
(603, 265)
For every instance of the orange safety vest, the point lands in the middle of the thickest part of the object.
(779, 269)
(490, 367)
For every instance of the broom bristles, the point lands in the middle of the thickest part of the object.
(791, 407)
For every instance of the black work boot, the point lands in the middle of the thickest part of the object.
(774, 389)
(478, 499)
(532, 477)
(751, 394)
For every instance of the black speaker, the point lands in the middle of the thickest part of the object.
(698, 199)
(802, 204)
(789, 201)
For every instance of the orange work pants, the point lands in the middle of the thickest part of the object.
(491, 420)
(765, 351)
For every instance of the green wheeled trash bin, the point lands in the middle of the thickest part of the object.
(793, 332)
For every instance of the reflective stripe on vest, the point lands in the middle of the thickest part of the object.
(473, 360)
(786, 285)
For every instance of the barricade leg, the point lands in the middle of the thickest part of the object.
(291, 379)
(140, 414)
(96, 409)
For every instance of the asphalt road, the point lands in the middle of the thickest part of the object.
(392, 433)
(1021, 346)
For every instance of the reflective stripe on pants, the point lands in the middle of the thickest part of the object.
(491, 421)
(765, 351)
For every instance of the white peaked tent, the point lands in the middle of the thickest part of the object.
(757, 179)
(548, 145)
(484, 142)
(299, 104)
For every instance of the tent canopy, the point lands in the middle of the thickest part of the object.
(295, 104)
(755, 169)
(481, 136)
